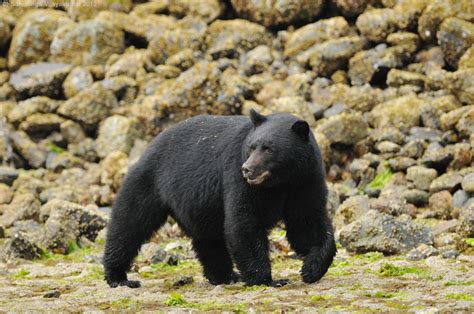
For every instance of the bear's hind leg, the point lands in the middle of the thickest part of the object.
(137, 213)
(215, 260)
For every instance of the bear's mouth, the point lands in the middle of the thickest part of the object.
(258, 179)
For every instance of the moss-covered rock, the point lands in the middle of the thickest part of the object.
(85, 43)
(371, 66)
(437, 11)
(403, 112)
(345, 128)
(315, 33)
(229, 38)
(332, 55)
(33, 35)
(208, 10)
(283, 12)
(455, 36)
(117, 133)
(89, 106)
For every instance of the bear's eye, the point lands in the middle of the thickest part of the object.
(252, 147)
(267, 149)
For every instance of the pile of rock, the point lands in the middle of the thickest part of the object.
(388, 87)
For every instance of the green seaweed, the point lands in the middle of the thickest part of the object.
(55, 148)
(20, 274)
(459, 296)
(381, 179)
(390, 270)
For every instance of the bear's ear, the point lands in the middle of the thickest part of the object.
(257, 118)
(302, 129)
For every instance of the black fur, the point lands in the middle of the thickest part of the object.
(227, 182)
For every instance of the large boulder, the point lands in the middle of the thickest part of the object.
(33, 35)
(66, 222)
(275, 13)
(22, 207)
(85, 43)
(384, 233)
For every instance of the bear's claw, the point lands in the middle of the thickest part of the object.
(129, 283)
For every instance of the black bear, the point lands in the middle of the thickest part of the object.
(226, 180)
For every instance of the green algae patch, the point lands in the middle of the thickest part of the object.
(459, 296)
(396, 305)
(54, 148)
(469, 241)
(20, 275)
(381, 179)
(368, 257)
(390, 270)
(75, 254)
(177, 300)
(458, 283)
(121, 304)
(183, 268)
(320, 297)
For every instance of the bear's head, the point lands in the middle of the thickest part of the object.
(280, 149)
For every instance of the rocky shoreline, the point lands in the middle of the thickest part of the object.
(387, 86)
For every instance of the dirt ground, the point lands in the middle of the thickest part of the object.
(368, 283)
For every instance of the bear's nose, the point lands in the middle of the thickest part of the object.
(246, 171)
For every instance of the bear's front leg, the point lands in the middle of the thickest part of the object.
(310, 233)
(248, 246)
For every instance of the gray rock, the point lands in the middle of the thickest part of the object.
(352, 209)
(85, 43)
(451, 254)
(40, 79)
(468, 183)
(52, 294)
(383, 233)
(77, 80)
(413, 149)
(466, 221)
(421, 176)
(20, 247)
(315, 33)
(460, 198)
(401, 163)
(437, 156)
(72, 132)
(8, 175)
(208, 10)
(393, 205)
(89, 106)
(257, 60)
(403, 113)
(462, 156)
(332, 55)
(371, 65)
(233, 37)
(416, 197)
(387, 147)
(441, 204)
(117, 133)
(448, 181)
(345, 128)
(25, 108)
(419, 133)
(41, 123)
(30, 151)
(283, 12)
(182, 281)
(22, 207)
